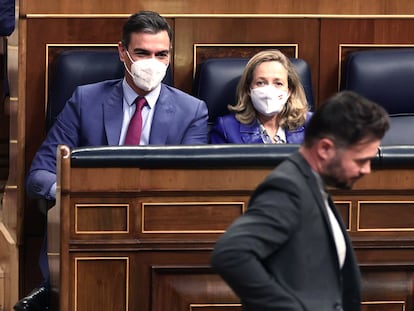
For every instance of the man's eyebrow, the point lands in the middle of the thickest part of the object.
(163, 52)
(369, 158)
(138, 50)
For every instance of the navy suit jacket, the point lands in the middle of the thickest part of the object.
(93, 117)
(281, 253)
(227, 129)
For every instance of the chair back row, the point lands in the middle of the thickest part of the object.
(215, 83)
(384, 76)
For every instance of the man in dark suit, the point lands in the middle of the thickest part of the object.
(290, 250)
(103, 113)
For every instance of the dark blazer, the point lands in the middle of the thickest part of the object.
(281, 254)
(227, 129)
(93, 117)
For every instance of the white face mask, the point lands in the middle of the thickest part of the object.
(268, 100)
(147, 73)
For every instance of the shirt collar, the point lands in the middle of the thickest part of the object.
(130, 95)
(280, 134)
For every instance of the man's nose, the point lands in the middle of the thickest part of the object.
(366, 168)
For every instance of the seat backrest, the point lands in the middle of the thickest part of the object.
(77, 67)
(216, 81)
(384, 76)
(401, 130)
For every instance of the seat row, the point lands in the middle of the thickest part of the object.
(384, 76)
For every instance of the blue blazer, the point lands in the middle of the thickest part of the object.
(227, 129)
(93, 117)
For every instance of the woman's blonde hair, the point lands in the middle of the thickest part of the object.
(294, 112)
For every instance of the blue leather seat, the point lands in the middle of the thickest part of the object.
(386, 77)
(216, 82)
(401, 130)
(77, 67)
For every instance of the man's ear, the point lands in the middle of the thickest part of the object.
(325, 148)
(121, 51)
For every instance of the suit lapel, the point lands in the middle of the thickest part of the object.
(113, 114)
(316, 192)
(350, 260)
(164, 115)
(295, 136)
(250, 133)
(341, 224)
(312, 182)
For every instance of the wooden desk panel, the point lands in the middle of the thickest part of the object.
(140, 238)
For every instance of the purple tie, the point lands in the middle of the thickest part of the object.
(133, 135)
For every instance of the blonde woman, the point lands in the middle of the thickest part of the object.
(271, 104)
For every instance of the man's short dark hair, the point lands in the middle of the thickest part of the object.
(347, 118)
(145, 21)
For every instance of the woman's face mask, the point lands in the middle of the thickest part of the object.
(147, 73)
(268, 100)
